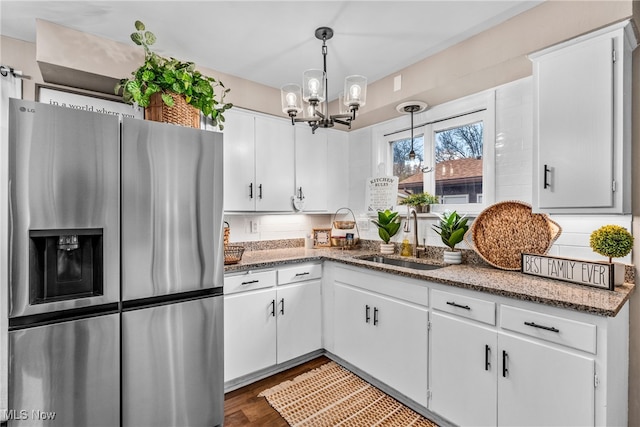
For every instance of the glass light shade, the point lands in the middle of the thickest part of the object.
(355, 91)
(291, 96)
(342, 108)
(313, 85)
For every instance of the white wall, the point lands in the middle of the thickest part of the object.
(274, 227)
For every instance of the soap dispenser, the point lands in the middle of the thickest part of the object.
(405, 250)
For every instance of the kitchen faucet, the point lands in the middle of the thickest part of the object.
(416, 248)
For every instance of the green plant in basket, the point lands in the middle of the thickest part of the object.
(388, 224)
(420, 199)
(611, 241)
(451, 228)
(164, 75)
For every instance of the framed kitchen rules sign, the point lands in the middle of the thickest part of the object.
(590, 273)
(382, 193)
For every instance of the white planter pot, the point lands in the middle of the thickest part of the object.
(452, 257)
(387, 248)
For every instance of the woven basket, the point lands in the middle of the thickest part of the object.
(503, 231)
(233, 254)
(180, 114)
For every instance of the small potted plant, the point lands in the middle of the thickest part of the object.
(451, 230)
(172, 82)
(388, 224)
(612, 241)
(420, 201)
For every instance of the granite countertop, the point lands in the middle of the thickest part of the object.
(511, 284)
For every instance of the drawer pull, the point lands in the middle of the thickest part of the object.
(546, 328)
(453, 303)
(302, 274)
(250, 282)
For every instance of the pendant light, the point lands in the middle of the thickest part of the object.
(412, 107)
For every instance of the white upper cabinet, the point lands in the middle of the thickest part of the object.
(582, 123)
(311, 168)
(258, 163)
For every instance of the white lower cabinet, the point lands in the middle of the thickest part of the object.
(268, 321)
(539, 385)
(526, 369)
(463, 369)
(385, 337)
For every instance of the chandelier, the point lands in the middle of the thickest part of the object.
(314, 93)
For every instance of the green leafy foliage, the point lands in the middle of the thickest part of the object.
(451, 229)
(420, 199)
(160, 74)
(611, 241)
(388, 224)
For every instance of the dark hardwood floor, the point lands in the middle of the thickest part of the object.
(243, 407)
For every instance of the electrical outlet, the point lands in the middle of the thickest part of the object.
(254, 226)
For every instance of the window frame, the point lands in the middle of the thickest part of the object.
(470, 109)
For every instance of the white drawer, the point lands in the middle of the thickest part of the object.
(299, 273)
(464, 306)
(578, 335)
(249, 280)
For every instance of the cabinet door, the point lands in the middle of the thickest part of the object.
(384, 337)
(311, 168)
(249, 332)
(539, 385)
(463, 369)
(399, 348)
(574, 90)
(239, 169)
(274, 164)
(299, 319)
(353, 336)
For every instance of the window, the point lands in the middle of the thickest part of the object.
(458, 163)
(455, 145)
(410, 178)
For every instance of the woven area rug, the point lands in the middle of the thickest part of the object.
(332, 396)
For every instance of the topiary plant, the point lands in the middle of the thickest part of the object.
(611, 241)
(388, 224)
(159, 74)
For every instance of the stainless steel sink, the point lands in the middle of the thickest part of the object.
(401, 262)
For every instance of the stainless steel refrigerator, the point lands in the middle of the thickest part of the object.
(115, 307)
(172, 275)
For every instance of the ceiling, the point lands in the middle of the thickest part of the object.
(273, 42)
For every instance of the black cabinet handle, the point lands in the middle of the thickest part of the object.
(302, 274)
(282, 306)
(251, 190)
(366, 314)
(505, 360)
(487, 354)
(250, 282)
(273, 308)
(300, 194)
(453, 303)
(260, 191)
(375, 316)
(546, 175)
(546, 328)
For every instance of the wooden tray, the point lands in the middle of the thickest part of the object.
(503, 231)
